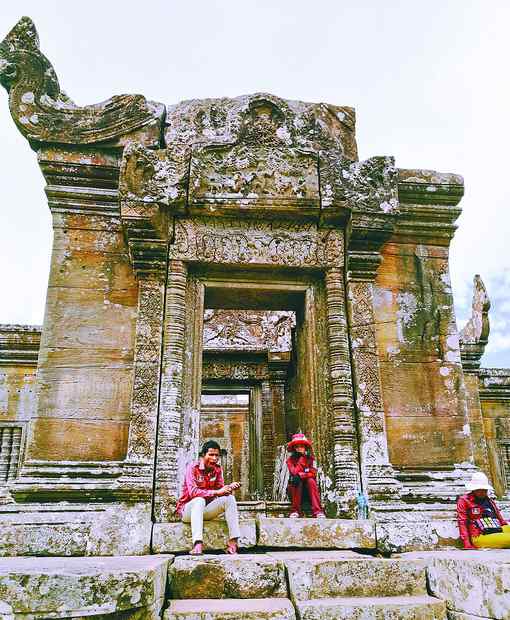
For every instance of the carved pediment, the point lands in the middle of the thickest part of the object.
(245, 174)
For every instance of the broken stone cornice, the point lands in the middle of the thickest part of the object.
(44, 114)
(429, 187)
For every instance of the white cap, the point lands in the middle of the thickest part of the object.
(478, 481)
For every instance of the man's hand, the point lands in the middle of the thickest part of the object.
(228, 489)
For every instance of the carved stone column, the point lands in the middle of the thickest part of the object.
(376, 471)
(344, 429)
(170, 408)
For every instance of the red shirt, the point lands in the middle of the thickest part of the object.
(199, 482)
(468, 511)
(301, 466)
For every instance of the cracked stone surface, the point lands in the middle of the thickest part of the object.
(241, 576)
(316, 533)
(176, 537)
(64, 587)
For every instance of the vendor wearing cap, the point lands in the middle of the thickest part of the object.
(481, 524)
(303, 477)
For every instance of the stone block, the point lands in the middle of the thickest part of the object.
(176, 537)
(471, 582)
(78, 440)
(334, 575)
(70, 587)
(231, 609)
(403, 536)
(241, 576)
(316, 533)
(117, 529)
(362, 608)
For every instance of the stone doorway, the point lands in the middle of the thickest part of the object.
(231, 416)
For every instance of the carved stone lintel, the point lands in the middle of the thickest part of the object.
(44, 113)
(475, 334)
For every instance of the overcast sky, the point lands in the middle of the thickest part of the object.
(429, 81)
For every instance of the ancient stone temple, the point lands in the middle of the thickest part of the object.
(229, 269)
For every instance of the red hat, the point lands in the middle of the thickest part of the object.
(299, 439)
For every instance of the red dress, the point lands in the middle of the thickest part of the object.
(303, 476)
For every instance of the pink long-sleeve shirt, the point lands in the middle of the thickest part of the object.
(199, 482)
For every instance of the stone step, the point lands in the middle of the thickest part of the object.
(231, 609)
(176, 537)
(335, 573)
(282, 533)
(422, 607)
(74, 587)
(216, 577)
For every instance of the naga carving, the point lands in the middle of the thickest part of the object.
(44, 113)
(475, 334)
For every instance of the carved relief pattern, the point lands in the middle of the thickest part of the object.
(226, 369)
(170, 415)
(367, 380)
(232, 241)
(346, 468)
(253, 174)
(144, 401)
(248, 330)
(369, 185)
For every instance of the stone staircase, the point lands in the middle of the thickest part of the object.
(277, 576)
(299, 585)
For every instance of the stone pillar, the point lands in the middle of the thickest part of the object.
(169, 454)
(139, 465)
(376, 470)
(346, 465)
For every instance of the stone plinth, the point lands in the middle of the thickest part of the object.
(176, 537)
(475, 583)
(88, 530)
(228, 609)
(71, 587)
(241, 576)
(403, 536)
(316, 533)
(385, 608)
(337, 575)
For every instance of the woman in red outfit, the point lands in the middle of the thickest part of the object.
(303, 475)
(481, 524)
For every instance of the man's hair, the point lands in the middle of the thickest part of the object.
(209, 444)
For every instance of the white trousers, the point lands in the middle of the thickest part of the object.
(196, 511)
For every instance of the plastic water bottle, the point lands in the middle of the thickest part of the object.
(362, 502)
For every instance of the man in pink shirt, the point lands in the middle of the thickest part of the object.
(205, 496)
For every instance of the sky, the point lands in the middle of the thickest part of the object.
(429, 81)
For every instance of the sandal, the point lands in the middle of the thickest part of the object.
(198, 549)
(232, 548)
(294, 515)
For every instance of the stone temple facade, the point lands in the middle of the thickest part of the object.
(229, 269)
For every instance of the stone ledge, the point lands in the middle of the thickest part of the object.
(367, 608)
(218, 577)
(111, 530)
(231, 609)
(335, 575)
(476, 583)
(176, 537)
(406, 536)
(70, 587)
(316, 533)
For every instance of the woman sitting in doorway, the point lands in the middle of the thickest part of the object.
(481, 524)
(303, 476)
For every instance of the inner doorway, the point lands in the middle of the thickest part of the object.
(231, 416)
